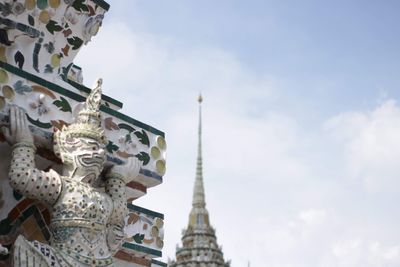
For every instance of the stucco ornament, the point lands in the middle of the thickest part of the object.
(92, 26)
(88, 208)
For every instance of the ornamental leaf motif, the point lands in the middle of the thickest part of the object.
(52, 27)
(63, 104)
(143, 137)
(21, 89)
(31, 20)
(80, 6)
(126, 127)
(48, 69)
(38, 123)
(111, 147)
(76, 42)
(19, 59)
(138, 238)
(144, 157)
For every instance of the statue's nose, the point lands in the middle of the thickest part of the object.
(102, 152)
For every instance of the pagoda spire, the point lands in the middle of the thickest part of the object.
(198, 192)
(199, 243)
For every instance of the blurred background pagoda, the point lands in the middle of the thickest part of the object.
(199, 242)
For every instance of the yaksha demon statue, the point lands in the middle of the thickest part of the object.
(88, 210)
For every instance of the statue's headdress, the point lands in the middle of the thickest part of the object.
(87, 123)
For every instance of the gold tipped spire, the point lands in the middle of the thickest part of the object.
(198, 194)
(199, 214)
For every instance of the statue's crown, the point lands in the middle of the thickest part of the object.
(88, 121)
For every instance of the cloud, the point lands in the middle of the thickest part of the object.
(158, 80)
(360, 252)
(318, 237)
(269, 193)
(370, 145)
(312, 216)
(158, 72)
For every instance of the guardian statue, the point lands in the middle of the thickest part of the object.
(87, 203)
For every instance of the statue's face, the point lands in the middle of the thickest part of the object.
(87, 157)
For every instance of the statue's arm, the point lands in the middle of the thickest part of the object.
(29, 181)
(115, 188)
(25, 178)
(117, 178)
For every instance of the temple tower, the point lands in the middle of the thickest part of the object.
(199, 242)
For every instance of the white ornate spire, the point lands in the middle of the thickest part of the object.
(198, 192)
(199, 243)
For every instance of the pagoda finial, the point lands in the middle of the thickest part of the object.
(198, 193)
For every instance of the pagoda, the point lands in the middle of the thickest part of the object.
(199, 242)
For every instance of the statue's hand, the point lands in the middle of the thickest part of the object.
(18, 130)
(129, 171)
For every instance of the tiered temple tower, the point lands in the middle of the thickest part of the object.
(199, 242)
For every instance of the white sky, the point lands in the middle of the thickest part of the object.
(301, 128)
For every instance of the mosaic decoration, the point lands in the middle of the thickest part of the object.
(144, 228)
(42, 88)
(86, 223)
(29, 218)
(51, 108)
(56, 30)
